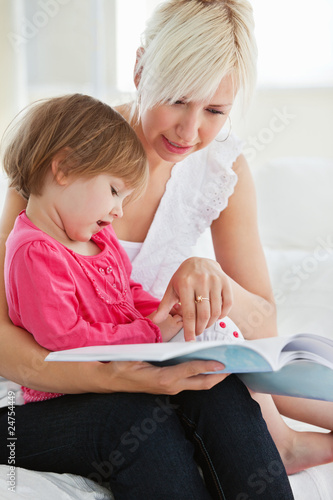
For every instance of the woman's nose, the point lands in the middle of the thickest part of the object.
(188, 127)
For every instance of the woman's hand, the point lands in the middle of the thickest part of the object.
(197, 277)
(22, 360)
(129, 376)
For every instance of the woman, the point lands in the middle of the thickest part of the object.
(212, 51)
(197, 181)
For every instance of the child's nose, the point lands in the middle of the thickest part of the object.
(117, 211)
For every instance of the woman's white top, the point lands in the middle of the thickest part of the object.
(132, 248)
(195, 195)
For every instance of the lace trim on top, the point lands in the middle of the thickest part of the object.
(196, 193)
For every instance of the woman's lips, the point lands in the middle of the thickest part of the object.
(175, 148)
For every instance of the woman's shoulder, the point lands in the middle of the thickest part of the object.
(224, 150)
(213, 164)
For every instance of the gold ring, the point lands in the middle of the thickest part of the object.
(200, 298)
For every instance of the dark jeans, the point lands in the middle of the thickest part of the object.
(147, 447)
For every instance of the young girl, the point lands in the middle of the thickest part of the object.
(67, 278)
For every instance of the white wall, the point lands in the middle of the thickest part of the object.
(8, 67)
(8, 80)
(287, 122)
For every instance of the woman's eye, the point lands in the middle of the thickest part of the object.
(215, 111)
(113, 191)
(179, 102)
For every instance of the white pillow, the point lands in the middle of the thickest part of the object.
(295, 202)
(303, 290)
(41, 485)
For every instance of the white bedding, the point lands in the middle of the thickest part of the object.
(47, 485)
(313, 484)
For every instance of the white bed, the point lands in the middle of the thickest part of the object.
(295, 205)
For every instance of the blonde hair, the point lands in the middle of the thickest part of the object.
(190, 45)
(94, 137)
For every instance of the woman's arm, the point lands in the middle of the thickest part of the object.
(22, 359)
(14, 204)
(239, 252)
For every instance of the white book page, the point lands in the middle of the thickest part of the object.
(312, 348)
(268, 348)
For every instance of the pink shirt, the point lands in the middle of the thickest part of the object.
(67, 300)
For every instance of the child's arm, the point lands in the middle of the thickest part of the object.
(43, 297)
(170, 326)
(144, 302)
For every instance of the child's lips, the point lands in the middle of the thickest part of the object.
(102, 223)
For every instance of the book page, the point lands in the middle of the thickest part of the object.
(309, 347)
(244, 356)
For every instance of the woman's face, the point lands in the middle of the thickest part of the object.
(175, 130)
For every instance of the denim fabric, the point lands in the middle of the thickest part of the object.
(146, 447)
(237, 455)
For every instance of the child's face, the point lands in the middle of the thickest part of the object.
(86, 205)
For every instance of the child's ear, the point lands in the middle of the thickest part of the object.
(137, 73)
(58, 167)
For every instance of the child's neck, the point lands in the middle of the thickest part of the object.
(46, 219)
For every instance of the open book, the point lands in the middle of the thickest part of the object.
(301, 365)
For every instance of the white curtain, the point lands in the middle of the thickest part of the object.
(49, 47)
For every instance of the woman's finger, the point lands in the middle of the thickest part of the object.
(227, 299)
(192, 375)
(137, 376)
(186, 298)
(215, 305)
(170, 298)
(203, 311)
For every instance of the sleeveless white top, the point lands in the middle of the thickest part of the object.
(132, 248)
(195, 195)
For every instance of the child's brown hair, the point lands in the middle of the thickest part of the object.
(95, 138)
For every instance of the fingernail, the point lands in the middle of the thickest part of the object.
(218, 367)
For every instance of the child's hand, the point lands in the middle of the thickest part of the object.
(169, 327)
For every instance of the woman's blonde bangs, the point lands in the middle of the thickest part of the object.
(190, 46)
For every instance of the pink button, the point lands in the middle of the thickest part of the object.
(222, 324)
(236, 334)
